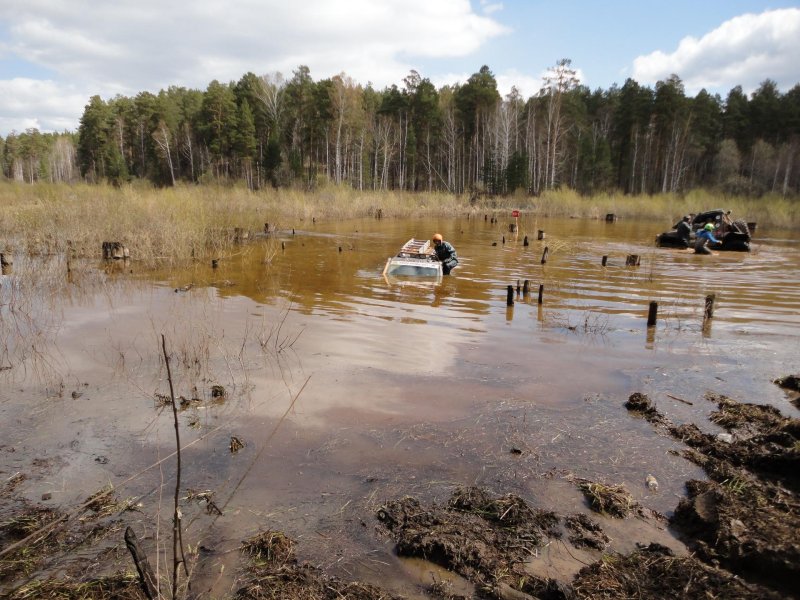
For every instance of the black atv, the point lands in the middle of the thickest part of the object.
(734, 235)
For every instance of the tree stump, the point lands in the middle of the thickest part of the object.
(115, 251)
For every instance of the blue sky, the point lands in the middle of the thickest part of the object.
(56, 54)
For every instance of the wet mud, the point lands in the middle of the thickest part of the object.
(739, 527)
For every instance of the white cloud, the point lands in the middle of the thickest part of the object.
(127, 46)
(490, 7)
(744, 51)
(528, 85)
(44, 105)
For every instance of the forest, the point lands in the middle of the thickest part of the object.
(272, 131)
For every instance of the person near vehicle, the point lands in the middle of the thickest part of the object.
(445, 253)
(684, 229)
(704, 236)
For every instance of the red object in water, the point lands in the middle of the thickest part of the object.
(515, 213)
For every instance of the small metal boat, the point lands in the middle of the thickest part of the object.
(415, 259)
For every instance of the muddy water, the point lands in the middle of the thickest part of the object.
(349, 389)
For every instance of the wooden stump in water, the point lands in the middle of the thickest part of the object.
(240, 235)
(540, 235)
(512, 227)
(525, 287)
(633, 260)
(605, 260)
(652, 314)
(544, 254)
(525, 241)
(611, 217)
(115, 251)
(510, 296)
(541, 293)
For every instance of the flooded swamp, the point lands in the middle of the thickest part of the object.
(315, 395)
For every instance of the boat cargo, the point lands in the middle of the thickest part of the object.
(415, 259)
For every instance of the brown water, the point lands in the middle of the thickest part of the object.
(349, 389)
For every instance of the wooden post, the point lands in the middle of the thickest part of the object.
(633, 260)
(292, 230)
(485, 217)
(611, 217)
(544, 254)
(115, 250)
(541, 292)
(510, 296)
(512, 227)
(605, 260)
(340, 248)
(652, 314)
(709, 312)
(214, 263)
(518, 288)
(146, 577)
(525, 241)
(283, 245)
(266, 228)
(525, 287)
(504, 240)
(540, 235)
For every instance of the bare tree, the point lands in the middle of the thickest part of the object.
(161, 137)
(559, 79)
(271, 93)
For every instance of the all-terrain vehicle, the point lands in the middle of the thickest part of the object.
(734, 235)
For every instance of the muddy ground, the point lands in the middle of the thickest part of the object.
(740, 527)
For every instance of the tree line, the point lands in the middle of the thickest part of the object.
(463, 138)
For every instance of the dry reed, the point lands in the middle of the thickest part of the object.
(197, 221)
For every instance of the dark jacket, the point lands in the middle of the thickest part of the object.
(446, 254)
(684, 231)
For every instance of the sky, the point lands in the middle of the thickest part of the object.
(56, 54)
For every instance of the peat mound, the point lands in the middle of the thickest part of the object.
(746, 517)
(653, 572)
(273, 572)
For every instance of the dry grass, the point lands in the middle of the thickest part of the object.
(199, 221)
(613, 500)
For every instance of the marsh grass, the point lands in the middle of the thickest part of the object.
(187, 222)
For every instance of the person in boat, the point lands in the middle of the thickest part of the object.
(445, 253)
(704, 236)
(684, 229)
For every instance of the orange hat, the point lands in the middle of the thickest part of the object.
(437, 237)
